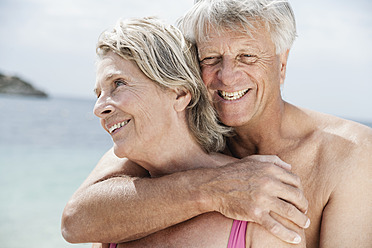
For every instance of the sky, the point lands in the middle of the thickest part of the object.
(51, 44)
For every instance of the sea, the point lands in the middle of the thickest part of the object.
(47, 148)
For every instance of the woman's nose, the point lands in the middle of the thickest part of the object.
(103, 107)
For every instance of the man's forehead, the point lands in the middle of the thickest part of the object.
(226, 39)
(245, 37)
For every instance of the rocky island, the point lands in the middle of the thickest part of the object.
(13, 85)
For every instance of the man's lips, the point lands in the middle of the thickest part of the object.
(117, 126)
(231, 96)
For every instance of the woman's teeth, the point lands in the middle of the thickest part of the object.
(118, 125)
(230, 96)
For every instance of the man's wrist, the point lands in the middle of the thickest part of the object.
(202, 190)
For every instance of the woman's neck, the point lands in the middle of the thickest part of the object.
(189, 156)
(178, 151)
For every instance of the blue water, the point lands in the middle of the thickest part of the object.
(47, 148)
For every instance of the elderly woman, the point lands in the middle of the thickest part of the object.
(149, 91)
(152, 101)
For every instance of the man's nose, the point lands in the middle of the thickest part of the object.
(103, 106)
(227, 73)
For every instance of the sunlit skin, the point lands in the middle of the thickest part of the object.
(126, 96)
(330, 156)
(235, 62)
(322, 149)
(127, 101)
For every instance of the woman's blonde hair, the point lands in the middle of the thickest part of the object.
(165, 57)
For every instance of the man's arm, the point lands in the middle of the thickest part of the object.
(117, 203)
(347, 216)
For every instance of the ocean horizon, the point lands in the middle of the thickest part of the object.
(47, 148)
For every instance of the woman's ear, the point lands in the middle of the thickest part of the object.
(183, 98)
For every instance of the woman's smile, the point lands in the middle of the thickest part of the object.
(117, 126)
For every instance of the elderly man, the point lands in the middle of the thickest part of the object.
(243, 49)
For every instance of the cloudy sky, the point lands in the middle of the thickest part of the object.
(51, 44)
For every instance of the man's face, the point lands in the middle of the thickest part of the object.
(242, 73)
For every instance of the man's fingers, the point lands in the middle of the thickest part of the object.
(290, 212)
(277, 161)
(292, 196)
(286, 177)
(271, 159)
(278, 230)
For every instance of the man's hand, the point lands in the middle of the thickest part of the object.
(255, 189)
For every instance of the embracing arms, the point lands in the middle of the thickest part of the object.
(119, 203)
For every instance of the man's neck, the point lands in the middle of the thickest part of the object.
(270, 133)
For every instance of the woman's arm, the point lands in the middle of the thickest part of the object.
(211, 231)
(118, 203)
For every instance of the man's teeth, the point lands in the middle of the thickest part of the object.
(230, 96)
(118, 125)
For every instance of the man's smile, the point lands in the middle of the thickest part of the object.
(231, 96)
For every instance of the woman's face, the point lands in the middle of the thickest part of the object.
(132, 108)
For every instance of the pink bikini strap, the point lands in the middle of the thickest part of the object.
(237, 234)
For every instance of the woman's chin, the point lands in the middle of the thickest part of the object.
(119, 152)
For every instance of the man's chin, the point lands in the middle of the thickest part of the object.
(231, 122)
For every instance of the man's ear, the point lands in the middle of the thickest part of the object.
(183, 98)
(283, 65)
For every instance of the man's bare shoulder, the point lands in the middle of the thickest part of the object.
(341, 131)
(345, 166)
(343, 142)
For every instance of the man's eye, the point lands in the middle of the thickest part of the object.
(247, 58)
(210, 60)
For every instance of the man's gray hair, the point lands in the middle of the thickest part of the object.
(164, 56)
(241, 15)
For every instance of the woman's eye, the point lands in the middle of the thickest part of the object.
(119, 83)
